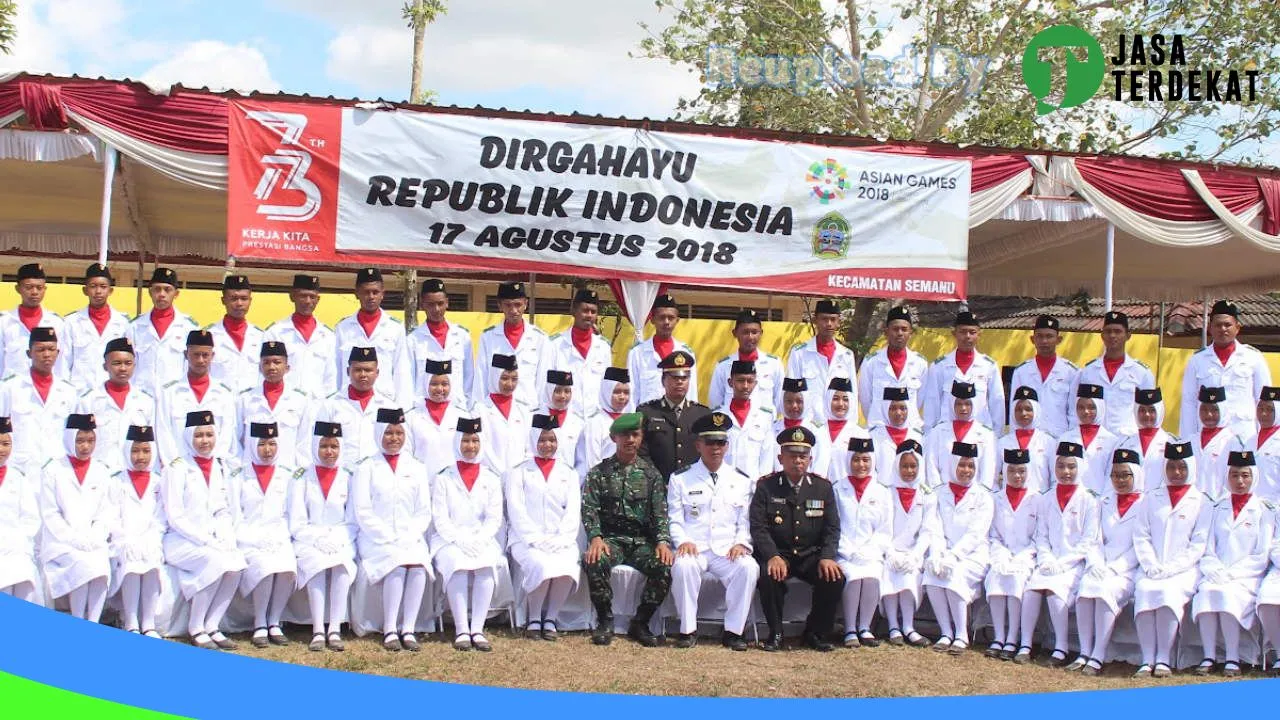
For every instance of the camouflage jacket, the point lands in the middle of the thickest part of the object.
(626, 501)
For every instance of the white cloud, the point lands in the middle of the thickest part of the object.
(90, 24)
(37, 48)
(369, 56)
(216, 65)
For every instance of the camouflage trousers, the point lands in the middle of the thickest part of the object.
(638, 553)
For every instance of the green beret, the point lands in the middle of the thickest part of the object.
(626, 422)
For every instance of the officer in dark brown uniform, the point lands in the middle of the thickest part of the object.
(668, 421)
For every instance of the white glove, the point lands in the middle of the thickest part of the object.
(1219, 575)
(859, 557)
(325, 545)
(1157, 572)
(1098, 572)
(1050, 567)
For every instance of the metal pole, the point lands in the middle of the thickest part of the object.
(1160, 340)
(533, 295)
(1204, 322)
(1111, 262)
(108, 178)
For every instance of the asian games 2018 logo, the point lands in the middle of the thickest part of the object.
(828, 180)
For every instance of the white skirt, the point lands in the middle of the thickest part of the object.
(1116, 589)
(1171, 592)
(148, 555)
(199, 566)
(312, 561)
(1007, 584)
(74, 568)
(1237, 598)
(1065, 584)
(450, 559)
(538, 566)
(265, 562)
(17, 566)
(1269, 590)
(965, 580)
(894, 582)
(378, 559)
(852, 570)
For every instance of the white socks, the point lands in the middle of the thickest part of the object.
(1059, 616)
(221, 601)
(1086, 615)
(1006, 610)
(1104, 621)
(270, 597)
(339, 585)
(557, 595)
(481, 596)
(23, 591)
(1156, 631)
(88, 600)
(139, 595)
(941, 609)
(1030, 616)
(1209, 624)
(1269, 615)
(900, 611)
(860, 598)
(402, 591)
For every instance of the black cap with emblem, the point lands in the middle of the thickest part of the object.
(1126, 456)
(368, 275)
(6, 425)
(306, 282)
(1025, 393)
(199, 338)
(746, 316)
(1179, 451)
(559, 378)
(1017, 456)
(898, 313)
(41, 334)
(676, 362)
(264, 431)
(273, 348)
(390, 416)
(665, 300)
(81, 421)
(362, 354)
(1047, 322)
(544, 422)
(432, 285)
(840, 384)
(617, 374)
(1089, 391)
(964, 390)
(964, 450)
(236, 282)
(859, 445)
(468, 426)
(965, 318)
(327, 429)
(909, 446)
(714, 425)
(796, 438)
(140, 433)
(31, 271)
(1212, 394)
(586, 295)
(504, 362)
(511, 290)
(1243, 458)
(1115, 317)
(896, 394)
(742, 367)
(98, 270)
(794, 385)
(1269, 393)
(164, 276)
(1225, 307)
(199, 418)
(826, 307)
(118, 345)
(1147, 397)
(438, 367)
(1070, 449)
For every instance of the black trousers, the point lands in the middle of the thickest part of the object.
(826, 595)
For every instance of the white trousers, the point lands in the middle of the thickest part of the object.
(739, 580)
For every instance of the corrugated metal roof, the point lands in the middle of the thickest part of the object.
(1258, 313)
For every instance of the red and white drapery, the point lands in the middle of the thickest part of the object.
(183, 135)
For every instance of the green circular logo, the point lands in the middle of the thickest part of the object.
(1082, 77)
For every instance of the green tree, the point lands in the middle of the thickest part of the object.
(8, 9)
(419, 14)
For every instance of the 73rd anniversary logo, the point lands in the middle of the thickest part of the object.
(1150, 68)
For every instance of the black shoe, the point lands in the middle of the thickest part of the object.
(734, 641)
(773, 643)
(603, 634)
(816, 642)
(640, 632)
(686, 640)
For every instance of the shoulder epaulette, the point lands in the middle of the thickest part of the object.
(935, 362)
(1073, 365)
(924, 489)
(170, 383)
(488, 328)
(556, 336)
(681, 469)
(362, 460)
(771, 355)
(1091, 362)
(741, 471)
(296, 390)
(175, 462)
(818, 423)
(1268, 504)
(299, 473)
(1141, 363)
(46, 463)
(224, 386)
(769, 410)
(635, 345)
(1091, 492)
(536, 329)
(236, 472)
(796, 347)
(443, 470)
(246, 391)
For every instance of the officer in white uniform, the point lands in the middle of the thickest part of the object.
(236, 341)
(16, 325)
(513, 336)
(276, 399)
(196, 392)
(752, 441)
(310, 343)
(373, 327)
(708, 504)
(355, 407)
(1117, 374)
(644, 356)
(38, 402)
(1052, 377)
(893, 366)
(90, 328)
(821, 358)
(748, 330)
(116, 404)
(1225, 363)
(965, 364)
(438, 339)
(582, 351)
(159, 337)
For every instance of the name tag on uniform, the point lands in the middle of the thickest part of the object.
(781, 501)
(814, 504)
(695, 492)
(813, 513)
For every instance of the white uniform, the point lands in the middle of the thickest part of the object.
(838, 462)
(1042, 446)
(465, 523)
(1056, 393)
(820, 454)
(1117, 392)
(1115, 555)
(506, 436)
(311, 365)
(804, 361)
(200, 542)
(753, 446)
(769, 376)
(569, 435)
(176, 399)
(1235, 559)
(1064, 538)
(646, 377)
(137, 529)
(876, 374)
(357, 423)
(984, 374)
(1152, 459)
(293, 440)
(545, 517)
(323, 527)
(19, 528)
(77, 519)
(1169, 541)
(457, 348)
(37, 424)
(159, 360)
(938, 457)
(1097, 455)
(262, 525)
(713, 514)
(1266, 484)
(431, 443)
(393, 510)
(1243, 377)
(887, 450)
(114, 421)
(529, 356)
(913, 536)
(866, 529)
(587, 372)
(237, 368)
(15, 339)
(83, 346)
(395, 376)
(1013, 543)
(1211, 462)
(961, 543)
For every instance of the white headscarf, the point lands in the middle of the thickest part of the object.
(1099, 404)
(315, 448)
(189, 433)
(251, 450)
(850, 414)
(534, 434)
(895, 474)
(548, 388)
(949, 407)
(1139, 480)
(1159, 413)
(380, 429)
(885, 409)
(128, 448)
(1221, 420)
(1035, 409)
(457, 445)
(1191, 471)
(606, 397)
(848, 460)
(69, 440)
(495, 375)
(1082, 468)
(954, 466)
(1033, 475)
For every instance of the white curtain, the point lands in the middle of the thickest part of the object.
(638, 296)
(987, 204)
(206, 171)
(38, 146)
(1246, 230)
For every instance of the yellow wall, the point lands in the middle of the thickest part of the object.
(711, 339)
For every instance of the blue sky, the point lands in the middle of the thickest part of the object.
(557, 55)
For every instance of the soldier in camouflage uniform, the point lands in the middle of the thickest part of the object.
(624, 512)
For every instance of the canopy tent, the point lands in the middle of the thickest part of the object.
(1039, 222)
